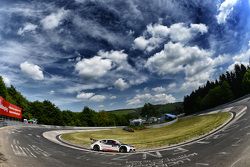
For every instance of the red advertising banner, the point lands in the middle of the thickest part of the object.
(10, 110)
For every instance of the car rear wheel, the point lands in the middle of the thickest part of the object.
(96, 148)
(123, 150)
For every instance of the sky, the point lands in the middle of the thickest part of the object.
(113, 54)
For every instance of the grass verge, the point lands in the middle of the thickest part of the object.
(184, 129)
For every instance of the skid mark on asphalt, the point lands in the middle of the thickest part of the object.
(31, 151)
(39, 151)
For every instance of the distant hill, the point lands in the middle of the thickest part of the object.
(174, 108)
(123, 111)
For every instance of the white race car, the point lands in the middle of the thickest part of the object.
(111, 145)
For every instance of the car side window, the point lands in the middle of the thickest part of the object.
(110, 142)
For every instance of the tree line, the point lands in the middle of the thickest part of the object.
(229, 86)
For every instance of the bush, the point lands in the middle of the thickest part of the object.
(128, 129)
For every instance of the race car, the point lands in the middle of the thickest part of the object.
(111, 145)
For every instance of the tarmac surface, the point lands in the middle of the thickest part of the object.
(229, 147)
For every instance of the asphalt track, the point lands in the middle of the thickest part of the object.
(230, 147)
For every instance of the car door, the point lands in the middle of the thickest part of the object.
(114, 145)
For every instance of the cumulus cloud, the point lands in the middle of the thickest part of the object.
(157, 34)
(91, 97)
(94, 67)
(84, 95)
(121, 84)
(32, 70)
(28, 27)
(225, 9)
(54, 19)
(116, 56)
(175, 58)
(196, 64)
(141, 99)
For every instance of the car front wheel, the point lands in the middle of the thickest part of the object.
(96, 148)
(123, 150)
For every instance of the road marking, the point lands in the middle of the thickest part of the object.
(157, 155)
(202, 142)
(237, 143)
(179, 151)
(30, 134)
(202, 164)
(223, 153)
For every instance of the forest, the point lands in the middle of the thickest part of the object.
(229, 86)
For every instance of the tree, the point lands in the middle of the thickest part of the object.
(3, 89)
(148, 110)
(246, 81)
(87, 117)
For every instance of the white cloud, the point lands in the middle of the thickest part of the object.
(141, 99)
(141, 43)
(98, 98)
(6, 80)
(110, 65)
(80, 87)
(121, 84)
(32, 70)
(157, 34)
(197, 65)
(94, 67)
(54, 19)
(84, 95)
(28, 27)
(159, 89)
(225, 9)
(175, 58)
(116, 56)
(91, 97)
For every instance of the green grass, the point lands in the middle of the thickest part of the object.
(184, 129)
(163, 108)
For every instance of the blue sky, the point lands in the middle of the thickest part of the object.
(110, 54)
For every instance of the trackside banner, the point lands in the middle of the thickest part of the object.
(10, 110)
